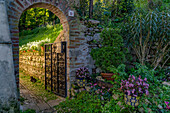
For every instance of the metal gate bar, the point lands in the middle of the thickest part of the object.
(56, 68)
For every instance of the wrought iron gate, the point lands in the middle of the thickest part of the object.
(55, 68)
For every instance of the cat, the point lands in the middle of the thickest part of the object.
(33, 79)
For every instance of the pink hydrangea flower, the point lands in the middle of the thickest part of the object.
(135, 95)
(145, 79)
(133, 77)
(128, 92)
(133, 91)
(140, 79)
(147, 85)
(147, 92)
(137, 83)
(121, 87)
(131, 85)
(167, 105)
(95, 84)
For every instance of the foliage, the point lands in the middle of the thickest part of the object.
(163, 74)
(43, 43)
(112, 106)
(35, 17)
(111, 51)
(34, 48)
(135, 86)
(144, 72)
(85, 102)
(28, 111)
(30, 38)
(147, 33)
(152, 4)
(159, 93)
(82, 72)
(120, 9)
(119, 72)
(82, 10)
(102, 92)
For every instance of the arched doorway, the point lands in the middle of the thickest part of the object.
(72, 34)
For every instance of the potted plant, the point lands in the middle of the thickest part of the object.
(134, 88)
(81, 75)
(111, 52)
(42, 46)
(119, 72)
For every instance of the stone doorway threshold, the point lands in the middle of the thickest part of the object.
(31, 101)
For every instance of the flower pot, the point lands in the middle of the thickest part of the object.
(42, 48)
(108, 76)
(131, 100)
(81, 82)
(33, 50)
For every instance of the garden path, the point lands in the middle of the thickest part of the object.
(31, 101)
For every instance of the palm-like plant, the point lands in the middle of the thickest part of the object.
(148, 34)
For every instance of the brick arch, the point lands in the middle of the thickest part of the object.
(58, 13)
(70, 27)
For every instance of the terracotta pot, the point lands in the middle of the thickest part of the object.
(33, 50)
(108, 76)
(104, 84)
(42, 48)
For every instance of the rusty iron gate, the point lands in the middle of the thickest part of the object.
(55, 68)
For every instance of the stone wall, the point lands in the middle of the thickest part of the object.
(91, 32)
(33, 64)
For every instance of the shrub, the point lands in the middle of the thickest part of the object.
(103, 93)
(111, 52)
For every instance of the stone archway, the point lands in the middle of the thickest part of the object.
(9, 41)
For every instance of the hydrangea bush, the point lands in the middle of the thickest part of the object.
(135, 86)
(29, 45)
(82, 72)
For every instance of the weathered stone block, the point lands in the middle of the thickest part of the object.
(8, 90)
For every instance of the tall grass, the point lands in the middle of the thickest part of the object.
(51, 32)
